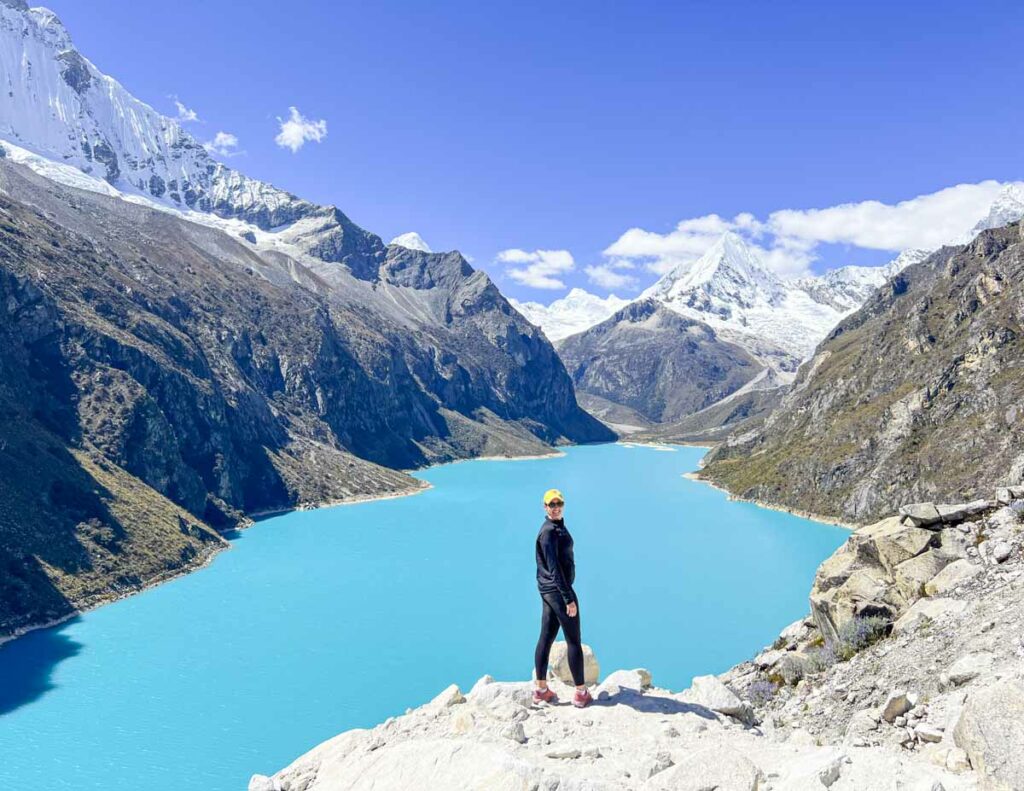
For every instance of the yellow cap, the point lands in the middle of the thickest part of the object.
(553, 494)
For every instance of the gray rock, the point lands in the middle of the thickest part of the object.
(1001, 551)
(952, 575)
(711, 693)
(830, 773)
(897, 704)
(449, 696)
(926, 610)
(921, 514)
(969, 667)
(990, 730)
(515, 732)
(928, 733)
(713, 767)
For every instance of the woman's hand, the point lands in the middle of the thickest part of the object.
(571, 609)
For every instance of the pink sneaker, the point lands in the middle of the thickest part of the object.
(545, 695)
(581, 699)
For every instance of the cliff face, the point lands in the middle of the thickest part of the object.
(161, 379)
(914, 397)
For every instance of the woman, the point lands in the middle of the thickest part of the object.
(556, 571)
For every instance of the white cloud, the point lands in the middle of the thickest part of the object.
(538, 269)
(927, 221)
(224, 143)
(788, 239)
(298, 129)
(185, 115)
(607, 276)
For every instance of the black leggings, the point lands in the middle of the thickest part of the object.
(552, 616)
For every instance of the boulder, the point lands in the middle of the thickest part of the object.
(911, 575)
(927, 610)
(951, 575)
(714, 767)
(639, 679)
(711, 693)
(928, 733)
(558, 664)
(920, 514)
(859, 579)
(897, 704)
(450, 696)
(952, 513)
(1001, 551)
(991, 731)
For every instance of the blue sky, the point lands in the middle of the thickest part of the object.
(560, 126)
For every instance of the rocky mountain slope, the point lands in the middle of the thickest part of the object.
(916, 396)
(162, 380)
(907, 675)
(654, 362)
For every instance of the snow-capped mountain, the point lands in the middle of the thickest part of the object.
(1006, 208)
(848, 287)
(730, 289)
(575, 312)
(411, 241)
(57, 105)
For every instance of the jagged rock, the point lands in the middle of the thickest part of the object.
(927, 610)
(897, 704)
(515, 732)
(921, 514)
(482, 682)
(519, 693)
(912, 575)
(558, 664)
(450, 696)
(830, 773)
(928, 733)
(957, 513)
(952, 575)
(711, 693)
(1001, 550)
(567, 752)
(991, 731)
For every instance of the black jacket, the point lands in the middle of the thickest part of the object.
(556, 567)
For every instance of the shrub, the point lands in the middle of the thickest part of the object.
(858, 634)
(761, 691)
(821, 659)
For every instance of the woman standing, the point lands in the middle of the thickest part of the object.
(556, 572)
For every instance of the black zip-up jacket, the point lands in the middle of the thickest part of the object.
(556, 567)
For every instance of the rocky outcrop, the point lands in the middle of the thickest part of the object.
(933, 705)
(495, 737)
(912, 398)
(163, 381)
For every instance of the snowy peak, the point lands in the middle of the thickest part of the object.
(847, 288)
(577, 311)
(61, 113)
(729, 269)
(1008, 207)
(411, 241)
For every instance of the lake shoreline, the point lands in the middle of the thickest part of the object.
(252, 519)
(828, 520)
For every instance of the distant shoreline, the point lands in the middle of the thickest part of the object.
(828, 520)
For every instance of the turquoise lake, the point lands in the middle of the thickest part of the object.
(319, 621)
